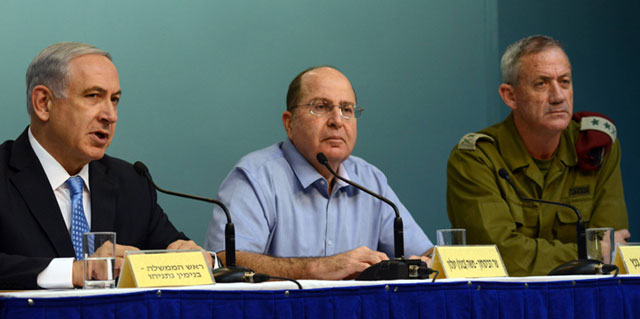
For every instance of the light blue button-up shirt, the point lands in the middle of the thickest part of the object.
(281, 207)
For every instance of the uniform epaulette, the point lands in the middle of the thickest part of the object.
(468, 142)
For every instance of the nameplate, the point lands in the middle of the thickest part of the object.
(164, 268)
(468, 261)
(628, 258)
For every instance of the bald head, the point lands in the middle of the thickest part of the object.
(310, 76)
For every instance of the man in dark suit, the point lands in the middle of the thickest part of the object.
(72, 96)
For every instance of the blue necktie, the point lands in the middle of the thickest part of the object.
(79, 223)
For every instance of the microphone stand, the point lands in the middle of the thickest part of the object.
(231, 272)
(399, 267)
(581, 266)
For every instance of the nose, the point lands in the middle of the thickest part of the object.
(335, 117)
(109, 112)
(556, 93)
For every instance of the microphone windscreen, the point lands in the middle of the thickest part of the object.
(321, 158)
(503, 173)
(141, 168)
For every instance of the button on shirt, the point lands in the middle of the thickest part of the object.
(281, 207)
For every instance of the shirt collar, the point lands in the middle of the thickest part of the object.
(512, 146)
(517, 157)
(567, 148)
(516, 154)
(306, 173)
(56, 174)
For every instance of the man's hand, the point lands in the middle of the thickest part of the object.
(426, 257)
(619, 236)
(190, 244)
(99, 269)
(346, 265)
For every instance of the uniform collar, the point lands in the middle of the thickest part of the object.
(512, 146)
(515, 152)
(567, 148)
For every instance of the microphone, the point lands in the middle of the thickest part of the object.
(582, 266)
(399, 267)
(398, 229)
(230, 273)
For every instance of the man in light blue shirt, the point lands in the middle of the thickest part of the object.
(292, 217)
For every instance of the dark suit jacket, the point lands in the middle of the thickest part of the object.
(32, 230)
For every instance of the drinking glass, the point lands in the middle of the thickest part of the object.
(99, 251)
(451, 237)
(600, 244)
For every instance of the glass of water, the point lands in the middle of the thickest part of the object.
(451, 237)
(600, 244)
(99, 252)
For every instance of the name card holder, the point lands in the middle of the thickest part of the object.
(164, 268)
(628, 258)
(472, 261)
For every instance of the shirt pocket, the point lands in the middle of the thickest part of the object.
(566, 227)
(526, 217)
(584, 206)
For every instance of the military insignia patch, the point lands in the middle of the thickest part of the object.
(599, 124)
(468, 142)
(579, 190)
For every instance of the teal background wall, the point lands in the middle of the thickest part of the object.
(204, 82)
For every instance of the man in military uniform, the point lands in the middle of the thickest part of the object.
(536, 144)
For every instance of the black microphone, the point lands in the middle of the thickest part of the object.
(398, 229)
(230, 273)
(582, 266)
(399, 267)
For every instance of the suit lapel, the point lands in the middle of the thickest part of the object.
(103, 197)
(31, 182)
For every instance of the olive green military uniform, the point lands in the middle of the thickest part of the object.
(532, 238)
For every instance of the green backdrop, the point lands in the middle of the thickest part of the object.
(204, 82)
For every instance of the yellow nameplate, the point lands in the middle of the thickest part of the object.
(164, 268)
(628, 258)
(468, 262)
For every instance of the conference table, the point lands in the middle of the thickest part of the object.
(513, 297)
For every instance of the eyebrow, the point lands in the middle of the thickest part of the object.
(544, 77)
(101, 90)
(330, 101)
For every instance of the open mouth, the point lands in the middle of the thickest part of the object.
(101, 136)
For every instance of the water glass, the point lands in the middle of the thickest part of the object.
(600, 244)
(451, 237)
(99, 251)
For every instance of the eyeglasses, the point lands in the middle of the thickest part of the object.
(320, 107)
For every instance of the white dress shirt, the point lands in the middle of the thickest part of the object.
(59, 273)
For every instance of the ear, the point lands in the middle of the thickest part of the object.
(42, 101)
(287, 120)
(508, 95)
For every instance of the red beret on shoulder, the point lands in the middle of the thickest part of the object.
(597, 133)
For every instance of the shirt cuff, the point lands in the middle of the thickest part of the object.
(59, 274)
(216, 262)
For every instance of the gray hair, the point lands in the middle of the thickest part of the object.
(51, 67)
(510, 62)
